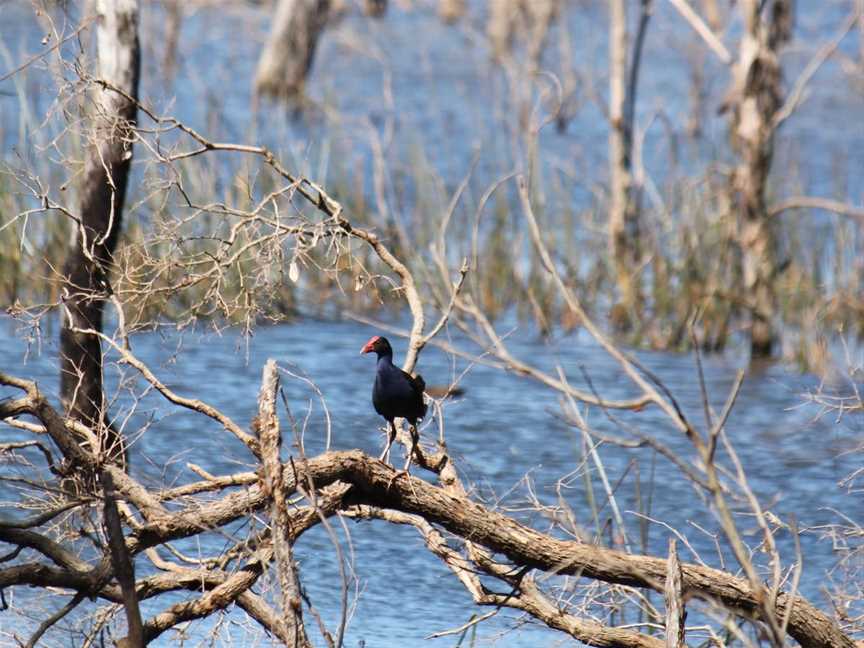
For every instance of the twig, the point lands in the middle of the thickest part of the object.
(793, 100)
(189, 403)
(815, 202)
(54, 618)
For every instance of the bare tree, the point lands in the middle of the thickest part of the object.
(624, 227)
(531, 18)
(264, 511)
(103, 191)
(290, 49)
(754, 100)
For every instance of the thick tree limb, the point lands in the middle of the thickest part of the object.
(372, 481)
(59, 429)
(271, 444)
(526, 597)
(124, 568)
(216, 599)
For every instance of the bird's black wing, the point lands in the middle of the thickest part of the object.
(417, 382)
(419, 386)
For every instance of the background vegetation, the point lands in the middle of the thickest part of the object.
(673, 175)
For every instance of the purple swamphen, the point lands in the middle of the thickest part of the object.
(396, 394)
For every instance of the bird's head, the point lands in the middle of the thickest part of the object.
(379, 345)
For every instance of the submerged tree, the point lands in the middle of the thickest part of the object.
(754, 100)
(625, 246)
(290, 50)
(528, 19)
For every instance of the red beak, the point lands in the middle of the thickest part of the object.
(370, 345)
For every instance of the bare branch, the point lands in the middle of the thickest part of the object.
(714, 44)
(673, 595)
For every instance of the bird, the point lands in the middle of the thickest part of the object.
(395, 394)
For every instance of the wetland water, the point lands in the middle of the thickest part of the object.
(447, 98)
(503, 429)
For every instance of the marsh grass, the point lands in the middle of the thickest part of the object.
(690, 255)
(688, 276)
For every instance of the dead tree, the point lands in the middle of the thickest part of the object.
(624, 227)
(754, 100)
(490, 553)
(511, 18)
(451, 10)
(290, 49)
(108, 157)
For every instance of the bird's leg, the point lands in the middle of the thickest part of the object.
(391, 437)
(414, 441)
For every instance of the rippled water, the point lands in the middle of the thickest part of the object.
(502, 429)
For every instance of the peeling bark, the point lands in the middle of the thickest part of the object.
(755, 97)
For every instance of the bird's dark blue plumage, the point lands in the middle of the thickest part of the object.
(395, 394)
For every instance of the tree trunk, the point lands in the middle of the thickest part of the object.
(502, 23)
(375, 8)
(173, 26)
(451, 10)
(106, 172)
(509, 18)
(290, 49)
(540, 15)
(755, 99)
(624, 227)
